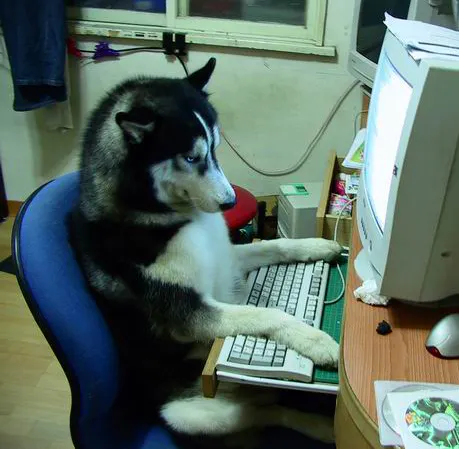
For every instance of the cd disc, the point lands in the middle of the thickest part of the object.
(386, 409)
(434, 421)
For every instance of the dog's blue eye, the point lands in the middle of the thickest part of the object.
(192, 159)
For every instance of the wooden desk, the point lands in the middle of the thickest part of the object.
(367, 356)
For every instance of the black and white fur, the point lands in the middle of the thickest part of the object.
(154, 246)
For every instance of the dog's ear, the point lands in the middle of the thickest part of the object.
(201, 77)
(136, 124)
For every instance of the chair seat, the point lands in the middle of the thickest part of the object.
(243, 212)
(272, 438)
(158, 437)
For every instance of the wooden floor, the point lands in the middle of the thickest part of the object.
(34, 393)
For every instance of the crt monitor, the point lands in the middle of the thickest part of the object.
(368, 29)
(408, 200)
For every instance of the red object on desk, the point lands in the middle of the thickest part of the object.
(243, 212)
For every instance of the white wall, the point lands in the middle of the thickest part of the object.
(271, 105)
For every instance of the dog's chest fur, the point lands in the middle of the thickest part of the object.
(200, 256)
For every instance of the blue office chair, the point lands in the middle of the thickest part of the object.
(56, 293)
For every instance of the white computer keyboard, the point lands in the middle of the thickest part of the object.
(298, 289)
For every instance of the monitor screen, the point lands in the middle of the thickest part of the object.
(389, 103)
(371, 29)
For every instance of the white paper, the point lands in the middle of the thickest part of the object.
(424, 39)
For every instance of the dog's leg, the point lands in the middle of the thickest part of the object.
(216, 319)
(270, 252)
(232, 411)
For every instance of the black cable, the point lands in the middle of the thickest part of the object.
(183, 64)
(136, 49)
(158, 49)
(125, 50)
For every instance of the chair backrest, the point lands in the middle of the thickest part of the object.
(56, 293)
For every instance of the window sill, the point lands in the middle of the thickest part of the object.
(236, 40)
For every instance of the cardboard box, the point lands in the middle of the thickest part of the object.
(325, 222)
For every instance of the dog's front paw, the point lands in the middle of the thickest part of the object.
(322, 249)
(309, 250)
(324, 351)
(312, 343)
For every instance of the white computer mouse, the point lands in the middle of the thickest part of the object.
(443, 340)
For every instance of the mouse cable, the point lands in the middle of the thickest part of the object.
(335, 235)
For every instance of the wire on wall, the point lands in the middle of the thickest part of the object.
(104, 50)
(310, 147)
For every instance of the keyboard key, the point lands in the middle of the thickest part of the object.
(309, 322)
(263, 300)
(314, 291)
(291, 310)
(243, 359)
(247, 350)
(272, 302)
(278, 361)
(240, 340)
(261, 361)
(258, 352)
(282, 347)
(269, 353)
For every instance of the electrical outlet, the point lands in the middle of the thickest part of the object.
(174, 44)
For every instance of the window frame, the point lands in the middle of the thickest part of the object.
(208, 31)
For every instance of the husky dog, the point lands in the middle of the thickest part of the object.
(152, 241)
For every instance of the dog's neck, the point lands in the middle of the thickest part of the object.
(163, 218)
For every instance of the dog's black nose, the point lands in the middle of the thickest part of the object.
(227, 206)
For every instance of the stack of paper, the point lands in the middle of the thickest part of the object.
(355, 155)
(423, 40)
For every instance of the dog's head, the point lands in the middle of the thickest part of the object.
(171, 133)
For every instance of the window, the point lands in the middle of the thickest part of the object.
(284, 25)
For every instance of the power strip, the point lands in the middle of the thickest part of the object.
(120, 31)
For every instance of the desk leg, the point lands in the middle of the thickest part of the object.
(209, 373)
